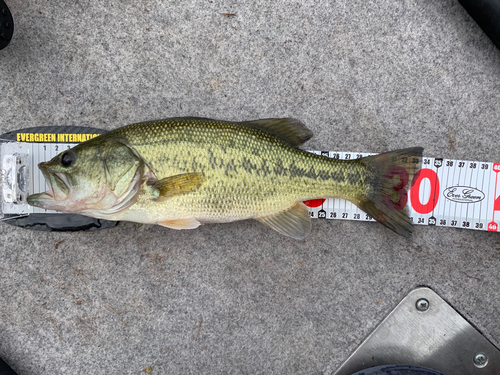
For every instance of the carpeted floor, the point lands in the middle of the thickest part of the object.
(239, 298)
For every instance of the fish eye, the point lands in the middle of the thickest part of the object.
(67, 158)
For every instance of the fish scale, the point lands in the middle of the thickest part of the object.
(183, 172)
(214, 148)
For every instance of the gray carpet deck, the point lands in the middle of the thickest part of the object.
(239, 298)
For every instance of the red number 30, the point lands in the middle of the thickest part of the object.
(414, 191)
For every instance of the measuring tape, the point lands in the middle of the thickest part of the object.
(444, 192)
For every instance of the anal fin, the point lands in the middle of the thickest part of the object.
(190, 223)
(294, 222)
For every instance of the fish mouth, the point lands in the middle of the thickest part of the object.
(57, 193)
(41, 200)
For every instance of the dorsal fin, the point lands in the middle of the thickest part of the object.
(291, 130)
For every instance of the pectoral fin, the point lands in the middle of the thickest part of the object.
(294, 223)
(174, 185)
(180, 223)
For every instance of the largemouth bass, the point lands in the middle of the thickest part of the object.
(183, 172)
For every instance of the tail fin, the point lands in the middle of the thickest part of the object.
(390, 174)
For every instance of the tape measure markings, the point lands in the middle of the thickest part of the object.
(483, 166)
(493, 187)
(469, 185)
(458, 211)
(496, 199)
(444, 192)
